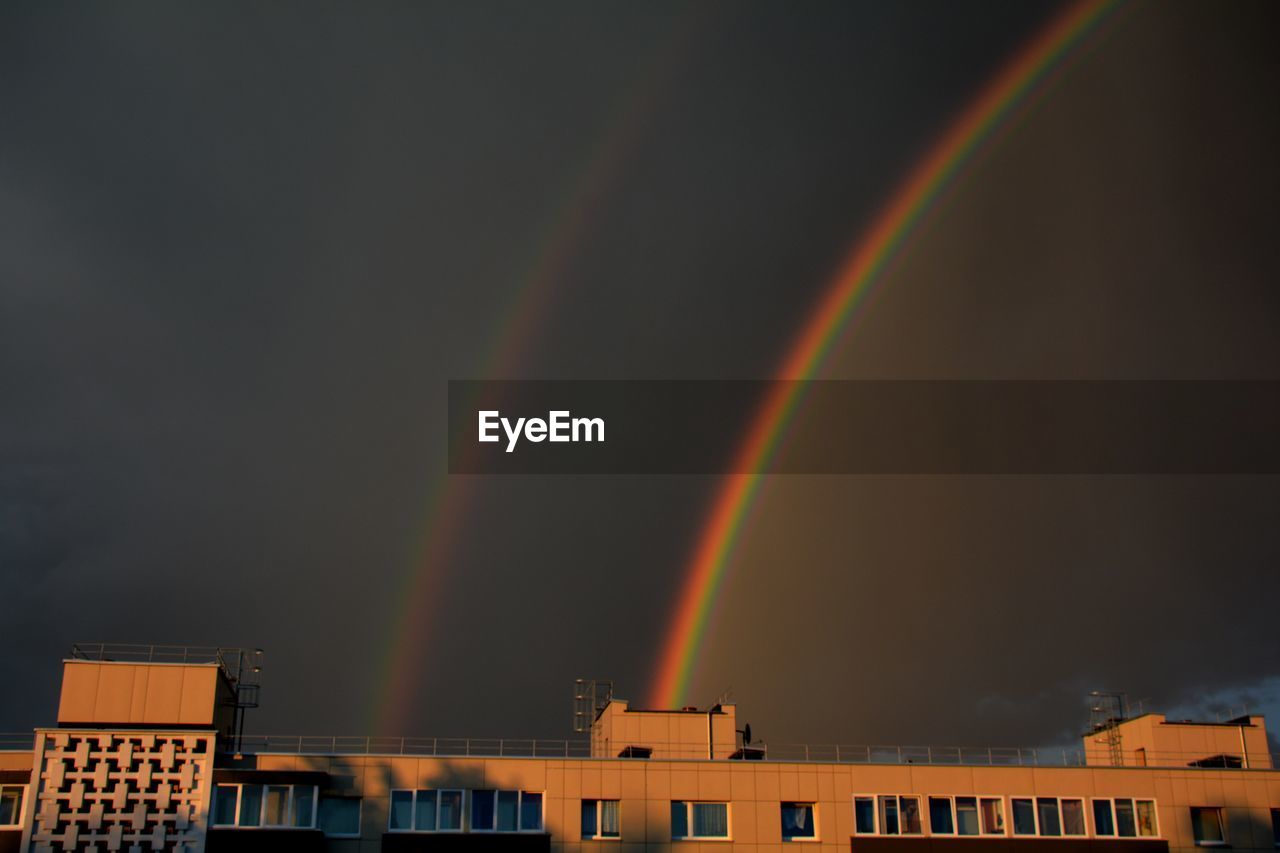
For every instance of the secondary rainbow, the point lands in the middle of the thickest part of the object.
(1015, 86)
(402, 660)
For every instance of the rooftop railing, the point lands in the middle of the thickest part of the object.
(783, 752)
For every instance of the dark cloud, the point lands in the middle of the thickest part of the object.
(242, 249)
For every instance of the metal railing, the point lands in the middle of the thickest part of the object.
(781, 753)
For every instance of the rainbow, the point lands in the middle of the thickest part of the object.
(401, 659)
(1028, 74)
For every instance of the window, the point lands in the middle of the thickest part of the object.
(426, 810)
(966, 815)
(1047, 813)
(1207, 826)
(11, 797)
(1275, 825)
(941, 820)
(898, 815)
(340, 816)
(992, 809)
(247, 806)
(600, 819)
(1125, 818)
(1024, 816)
(506, 811)
(699, 820)
(798, 821)
(1073, 817)
(864, 815)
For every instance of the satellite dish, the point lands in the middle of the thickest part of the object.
(746, 735)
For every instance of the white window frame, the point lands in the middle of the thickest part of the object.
(955, 816)
(922, 804)
(1035, 817)
(875, 814)
(597, 836)
(1222, 822)
(22, 804)
(413, 810)
(1092, 823)
(262, 805)
(1004, 815)
(802, 839)
(1062, 824)
(493, 830)
(688, 821)
(359, 818)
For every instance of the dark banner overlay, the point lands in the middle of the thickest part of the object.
(871, 427)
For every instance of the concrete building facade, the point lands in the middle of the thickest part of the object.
(146, 756)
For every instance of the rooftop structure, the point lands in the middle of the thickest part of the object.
(148, 753)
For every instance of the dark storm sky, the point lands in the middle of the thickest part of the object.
(243, 248)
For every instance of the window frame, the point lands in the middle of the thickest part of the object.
(413, 810)
(520, 793)
(1222, 825)
(359, 801)
(875, 814)
(20, 813)
(1035, 817)
(597, 801)
(813, 812)
(955, 815)
(262, 806)
(1091, 820)
(880, 833)
(688, 820)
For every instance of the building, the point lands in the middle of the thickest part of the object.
(148, 754)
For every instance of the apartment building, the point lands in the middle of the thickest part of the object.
(147, 754)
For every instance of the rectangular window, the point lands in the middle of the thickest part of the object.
(340, 816)
(966, 815)
(1146, 814)
(798, 821)
(225, 800)
(1024, 816)
(1103, 823)
(275, 805)
(864, 815)
(1275, 826)
(1047, 811)
(506, 811)
(909, 814)
(889, 815)
(600, 819)
(401, 810)
(992, 815)
(530, 811)
(450, 815)
(699, 820)
(1207, 826)
(1073, 817)
(941, 821)
(1126, 827)
(482, 810)
(304, 806)
(428, 810)
(1125, 818)
(11, 804)
(426, 802)
(250, 805)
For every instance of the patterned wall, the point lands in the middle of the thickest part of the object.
(120, 790)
